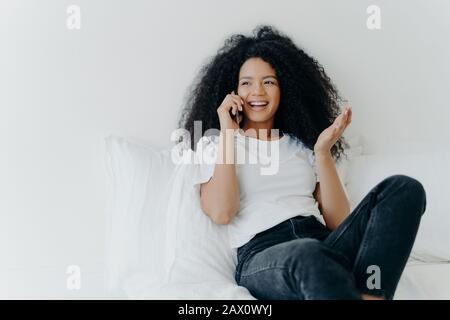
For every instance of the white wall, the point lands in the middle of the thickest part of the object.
(126, 72)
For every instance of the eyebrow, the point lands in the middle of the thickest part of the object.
(270, 76)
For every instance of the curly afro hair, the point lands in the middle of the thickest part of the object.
(309, 102)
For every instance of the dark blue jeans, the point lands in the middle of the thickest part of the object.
(302, 259)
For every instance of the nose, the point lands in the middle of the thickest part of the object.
(258, 90)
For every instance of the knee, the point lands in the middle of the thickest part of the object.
(411, 187)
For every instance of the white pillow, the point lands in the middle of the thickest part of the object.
(432, 170)
(160, 243)
(201, 262)
(139, 178)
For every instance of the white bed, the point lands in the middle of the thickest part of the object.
(424, 281)
(420, 281)
(161, 246)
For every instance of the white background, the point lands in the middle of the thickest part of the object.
(127, 71)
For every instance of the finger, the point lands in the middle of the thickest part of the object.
(344, 128)
(232, 99)
(238, 106)
(348, 118)
(235, 108)
(342, 119)
(233, 95)
(350, 113)
(238, 100)
(341, 126)
(230, 105)
(339, 118)
(346, 114)
(238, 97)
(336, 121)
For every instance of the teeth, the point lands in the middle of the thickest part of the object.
(258, 103)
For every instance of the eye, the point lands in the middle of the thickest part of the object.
(244, 83)
(269, 82)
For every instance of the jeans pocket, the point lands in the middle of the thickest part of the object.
(310, 227)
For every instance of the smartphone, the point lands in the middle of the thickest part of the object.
(238, 117)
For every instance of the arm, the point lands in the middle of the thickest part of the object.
(329, 193)
(220, 195)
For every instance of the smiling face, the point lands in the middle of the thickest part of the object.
(258, 86)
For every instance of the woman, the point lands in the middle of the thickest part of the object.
(294, 233)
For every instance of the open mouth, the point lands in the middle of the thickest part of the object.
(258, 105)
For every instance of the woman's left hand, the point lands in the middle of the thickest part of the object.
(331, 135)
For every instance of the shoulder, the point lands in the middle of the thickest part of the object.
(300, 149)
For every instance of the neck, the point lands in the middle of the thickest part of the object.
(259, 130)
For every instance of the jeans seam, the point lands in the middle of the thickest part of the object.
(370, 223)
(369, 201)
(363, 245)
(264, 269)
(363, 248)
(343, 231)
(293, 229)
(245, 256)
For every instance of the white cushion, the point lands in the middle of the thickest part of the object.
(201, 261)
(139, 178)
(159, 240)
(432, 170)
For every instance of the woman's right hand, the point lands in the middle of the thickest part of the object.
(232, 103)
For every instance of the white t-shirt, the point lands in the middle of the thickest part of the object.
(272, 188)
